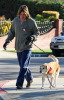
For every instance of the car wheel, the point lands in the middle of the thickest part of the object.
(56, 53)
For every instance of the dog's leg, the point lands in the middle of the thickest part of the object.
(51, 82)
(43, 80)
(56, 76)
(55, 79)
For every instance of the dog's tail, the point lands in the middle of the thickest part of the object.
(54, 58)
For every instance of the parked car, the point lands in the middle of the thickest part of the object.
(57, 45)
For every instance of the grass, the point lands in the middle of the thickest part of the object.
(35, 51)
(41, 52)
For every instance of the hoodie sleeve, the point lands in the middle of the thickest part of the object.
(35, 32)
(11, 33)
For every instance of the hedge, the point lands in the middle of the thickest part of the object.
(9, 8)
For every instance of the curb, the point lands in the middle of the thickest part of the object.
(32, 55)
(39, 55)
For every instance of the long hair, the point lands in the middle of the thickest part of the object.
(24, 8)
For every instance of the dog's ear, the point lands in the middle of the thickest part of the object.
(46, 67)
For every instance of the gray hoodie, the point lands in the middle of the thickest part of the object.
(21, 31)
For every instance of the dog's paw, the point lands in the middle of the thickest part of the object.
(42, 87)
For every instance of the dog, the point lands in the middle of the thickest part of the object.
(50, 70)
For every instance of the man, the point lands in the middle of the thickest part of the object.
(25, 31)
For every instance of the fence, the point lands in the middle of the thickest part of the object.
(42, 26)
(45, 26)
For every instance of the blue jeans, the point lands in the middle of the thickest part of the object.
(24, 60)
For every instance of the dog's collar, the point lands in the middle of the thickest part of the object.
(50, 69)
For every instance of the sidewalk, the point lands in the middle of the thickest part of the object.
(42, 42)
(34, 92)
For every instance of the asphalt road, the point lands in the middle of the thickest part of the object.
(9, 67)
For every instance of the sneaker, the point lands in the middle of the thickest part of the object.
(19, 87)
(28, 84)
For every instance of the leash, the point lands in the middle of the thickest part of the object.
(50, 82)
(41, 49)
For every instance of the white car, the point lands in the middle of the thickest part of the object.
(57, 45)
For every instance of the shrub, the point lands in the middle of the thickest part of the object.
(5, 26)
(38, 17)
(44, 18)
(35, 7)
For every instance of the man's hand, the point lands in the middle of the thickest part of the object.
(29, 39)
(5, 44)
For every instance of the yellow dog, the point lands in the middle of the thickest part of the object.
(50, 70)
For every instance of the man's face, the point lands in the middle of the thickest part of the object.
(22, 16)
